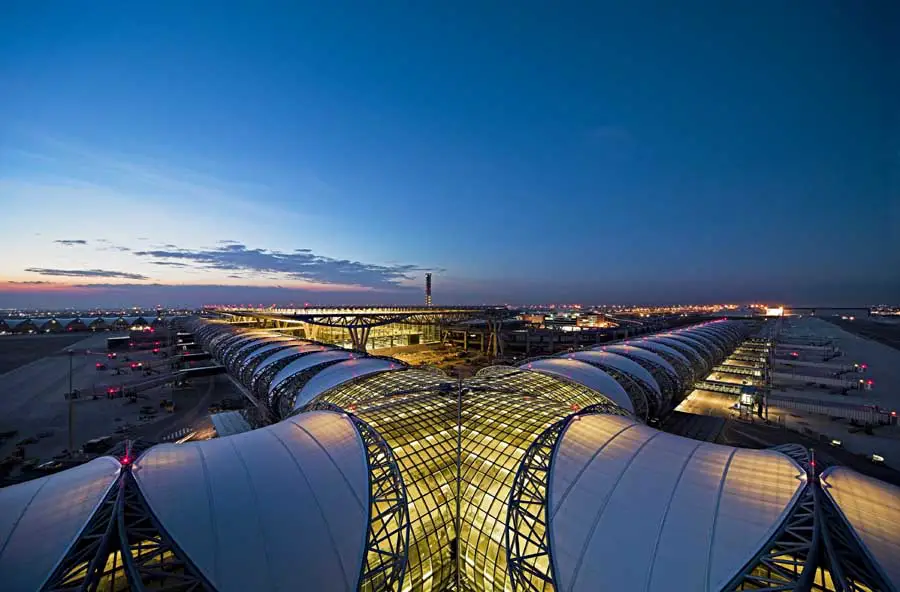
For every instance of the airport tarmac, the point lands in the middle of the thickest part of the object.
(32, 400)
(883, 364)
(882, 360)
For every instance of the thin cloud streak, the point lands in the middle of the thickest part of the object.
(71, 242)
(95, 273)
(169, 263)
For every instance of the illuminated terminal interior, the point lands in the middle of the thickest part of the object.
(383, 337)
(373, 475)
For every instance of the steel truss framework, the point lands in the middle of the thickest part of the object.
(259, 385)
(346, 317)
(850, 567)
(281, 400)
(668, 383)
(527, 532)
(641, 394)
(123, 547)
(787, 562)
(359, 321)
(234, 360)
(387, 538)
(246, 373)
(814, 549)
(151, 557)
(79, 570)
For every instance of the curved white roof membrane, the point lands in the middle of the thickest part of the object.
(659, 344)
(279, 508)
(267, 348)
(704, 350)
(700, 337)
(620, 363)
(872, 508)
(233, 354)
(40, 519)
(340, 373)
(634, 508)
(717, 336)
(219, 348)
(641, 353)
(238, 344)
(590, 376)
(308, 361)
(284, 353)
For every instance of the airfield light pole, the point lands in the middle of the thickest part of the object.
(458, 525)
(71, 403)
(173, 367)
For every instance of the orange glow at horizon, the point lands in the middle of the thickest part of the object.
(23, 287)
(41, 286)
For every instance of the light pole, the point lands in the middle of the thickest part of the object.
(459, 392)
(71, 404)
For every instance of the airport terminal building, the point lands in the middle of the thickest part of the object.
(373, 475)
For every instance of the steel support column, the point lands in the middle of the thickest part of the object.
(359, 336)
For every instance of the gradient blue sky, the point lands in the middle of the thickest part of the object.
(524, 152)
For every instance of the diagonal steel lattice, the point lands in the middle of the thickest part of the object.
(123, 546)
(387, 538)
(850, 567)
(387, 541)
(787, 561)
(526, 533)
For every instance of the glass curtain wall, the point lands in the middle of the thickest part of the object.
(417, 413)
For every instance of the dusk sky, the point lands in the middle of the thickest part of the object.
(212, 152)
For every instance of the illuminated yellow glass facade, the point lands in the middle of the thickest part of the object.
(380, 337)
(417, 413)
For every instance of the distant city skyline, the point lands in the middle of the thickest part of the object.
(186, 155)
